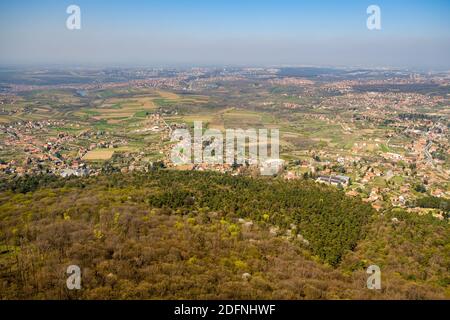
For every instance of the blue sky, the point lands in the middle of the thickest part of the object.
(247, 32)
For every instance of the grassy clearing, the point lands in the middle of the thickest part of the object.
(98, 154)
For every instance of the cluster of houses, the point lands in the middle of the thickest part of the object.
(339, 180)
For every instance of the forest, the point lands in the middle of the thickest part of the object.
(204, 235)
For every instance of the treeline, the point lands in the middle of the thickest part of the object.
(418, 116)
(434, 203)
(29, 183)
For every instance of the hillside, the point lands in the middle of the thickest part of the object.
(170, 234)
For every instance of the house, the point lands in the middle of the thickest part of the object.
(291, 176)
(271, 166)
(334, 180)
(74, 172)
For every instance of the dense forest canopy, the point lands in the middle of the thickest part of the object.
(180, 234)
(330, 222)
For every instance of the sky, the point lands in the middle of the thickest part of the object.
(414, 34)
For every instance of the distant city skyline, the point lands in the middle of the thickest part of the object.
(414, 34)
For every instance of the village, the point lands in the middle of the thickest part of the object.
(350, 133)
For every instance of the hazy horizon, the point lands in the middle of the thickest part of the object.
(414, 34)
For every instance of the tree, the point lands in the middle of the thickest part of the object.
(420, 188)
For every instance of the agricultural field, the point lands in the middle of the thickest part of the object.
(101, 154)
